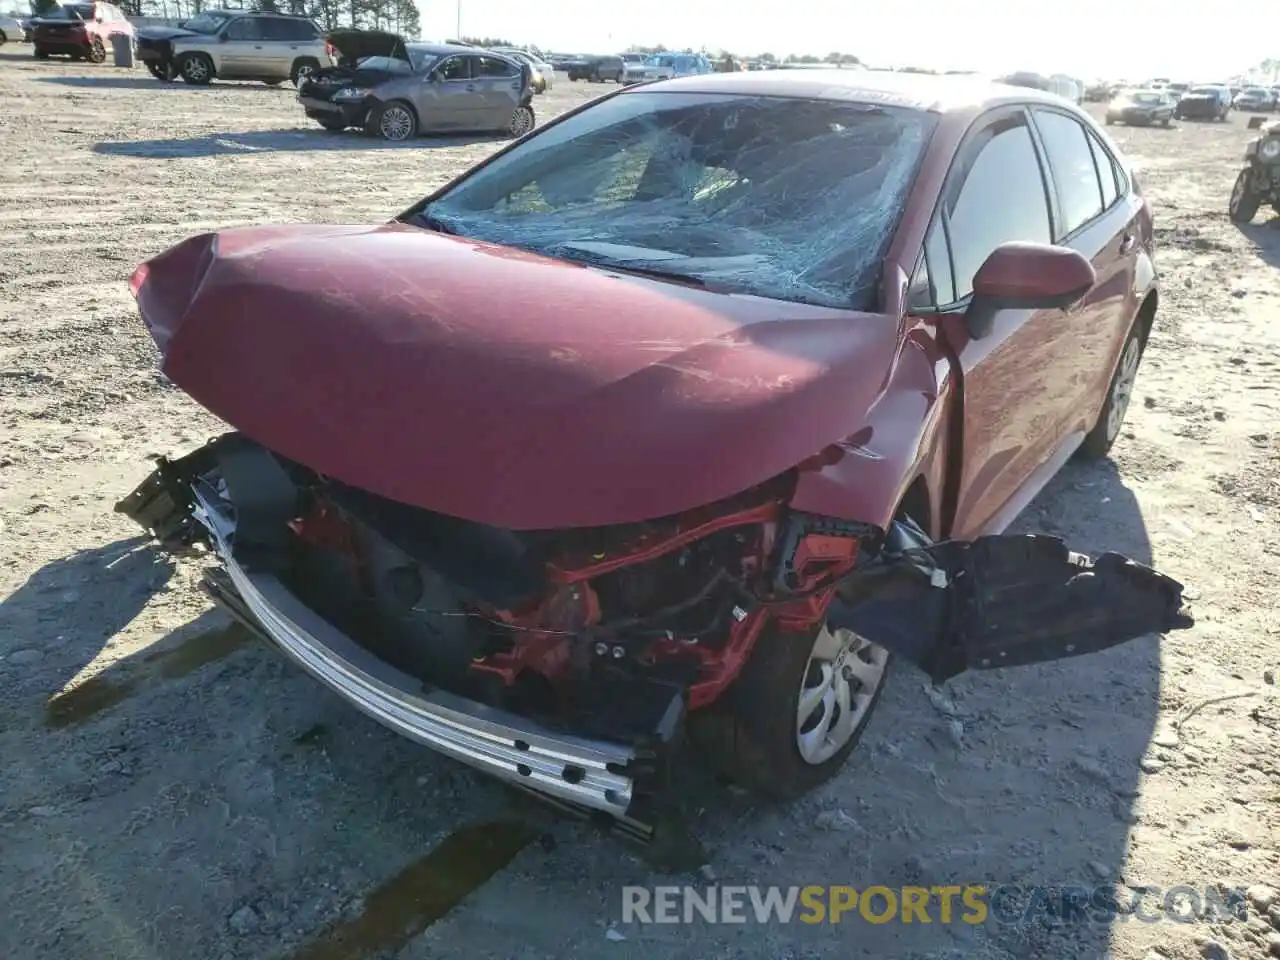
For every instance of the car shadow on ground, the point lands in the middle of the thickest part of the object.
(147, 82)
(246, 784)
(1265, 237)
(274, 141)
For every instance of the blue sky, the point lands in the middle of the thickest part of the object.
(1130, 39)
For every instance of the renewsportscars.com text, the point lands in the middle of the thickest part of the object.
(969, 904)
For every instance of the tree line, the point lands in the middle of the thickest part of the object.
(397, 16)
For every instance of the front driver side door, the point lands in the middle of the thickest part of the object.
(1014, 391)
(447, 97)
(240, 51)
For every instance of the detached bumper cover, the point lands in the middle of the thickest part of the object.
(511, 748)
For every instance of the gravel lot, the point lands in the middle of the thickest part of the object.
(171, 788)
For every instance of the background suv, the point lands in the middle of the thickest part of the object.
(235, 45)
(81, 31)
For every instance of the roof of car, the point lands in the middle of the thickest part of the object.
(444, 49)
(920, 91)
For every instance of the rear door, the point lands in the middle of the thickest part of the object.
(1095, 218)
(282, 44)
(497, 82)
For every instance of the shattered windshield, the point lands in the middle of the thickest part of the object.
(205, 23)
(777, 197)
(388, 64)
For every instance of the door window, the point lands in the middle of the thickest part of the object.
(1074, 173)
(1001, 198)
(279, 28)
(1108, 173)
(247, 28)
(456, 68)
(494, 67)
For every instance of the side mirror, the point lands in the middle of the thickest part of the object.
(1026, 276)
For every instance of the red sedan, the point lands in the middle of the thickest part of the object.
(81, 31)
(683, 412)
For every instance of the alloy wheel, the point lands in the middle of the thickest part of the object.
(521, 122)
(195, 68)
(395, 123)
(844, 673)
(1122, 387)
(97, 52)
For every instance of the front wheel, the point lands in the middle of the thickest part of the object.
(302, 69)
(522, 121)
(795, 713)
(40, 54)
(97, 52)
(1244, 201)
(196, 69)
(1098, 442)
(161, 70)
(394, 121)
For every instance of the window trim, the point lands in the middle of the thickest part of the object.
(975, 138)
(1064, 238)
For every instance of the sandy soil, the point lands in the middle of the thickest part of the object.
(170, 788)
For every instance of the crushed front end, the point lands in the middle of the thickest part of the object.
(565, 661)
(562, 661)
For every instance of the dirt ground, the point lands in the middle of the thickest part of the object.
(170, 788)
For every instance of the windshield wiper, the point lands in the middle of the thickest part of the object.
(608, 263)
(432, 222)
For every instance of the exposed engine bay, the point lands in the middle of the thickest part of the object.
(616, 632)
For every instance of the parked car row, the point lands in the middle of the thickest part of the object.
(627, 68)
(81, 31)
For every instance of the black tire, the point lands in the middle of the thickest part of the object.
(333, 126)
(1165, 122)
(273, 83)
(394, 121)
(97, 51)
(1245, 202)
(163, 71)
(301, 67)
(1099, 441)
(196, 69)
(1111, 122)
(40, 54)
(749, 734)
(522, 121)
(3, 38)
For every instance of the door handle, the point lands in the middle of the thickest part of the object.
(258, 47)
(1127, 242)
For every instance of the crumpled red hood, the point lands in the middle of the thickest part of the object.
(501, 386)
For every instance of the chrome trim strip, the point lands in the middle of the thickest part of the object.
(501, 744)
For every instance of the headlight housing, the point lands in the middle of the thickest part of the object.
(351, 93)
(1269, 149)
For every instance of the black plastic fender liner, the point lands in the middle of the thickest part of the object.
(1006, 601)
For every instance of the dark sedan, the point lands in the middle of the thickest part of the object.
(1204, 103)
(1140, 108)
